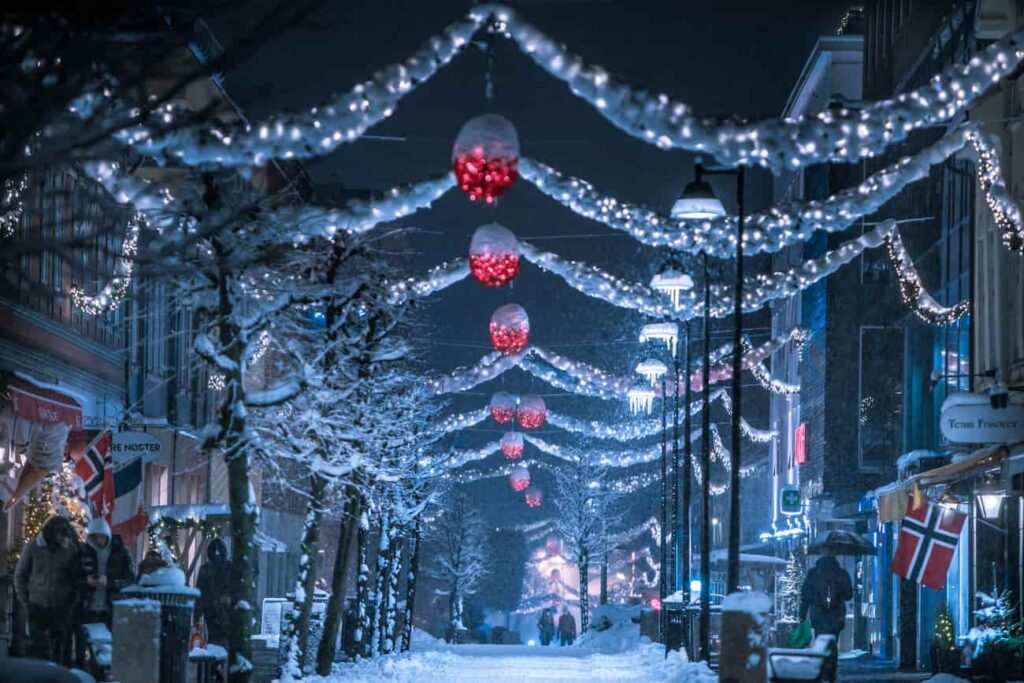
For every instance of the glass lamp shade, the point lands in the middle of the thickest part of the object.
(698, 200)
(990, 503)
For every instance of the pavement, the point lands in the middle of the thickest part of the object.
(877, 671)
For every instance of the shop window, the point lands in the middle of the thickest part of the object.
(881, 397)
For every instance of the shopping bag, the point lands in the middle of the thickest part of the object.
(802, 635)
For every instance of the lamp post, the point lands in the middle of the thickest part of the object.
(698, 201)
(702, 203)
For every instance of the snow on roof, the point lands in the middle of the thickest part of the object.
(183, 513)
(970, 398)
(906, 460)
(755, 603)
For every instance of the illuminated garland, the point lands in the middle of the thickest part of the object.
(915, 296)
(438, 278)
(1005, 210)
(842, 135)
(113, 293)
(216, 380)
(11, 204)
(454, 423)
(776, 386)
(774, 228)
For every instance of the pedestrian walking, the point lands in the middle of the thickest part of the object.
(546, 626)
(105, 567)
(823, 599)
(45, 581)
(566, 628)
(214, 583)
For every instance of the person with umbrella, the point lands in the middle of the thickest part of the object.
(828, 587)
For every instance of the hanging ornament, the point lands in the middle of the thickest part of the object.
(532, 412)
(510, 328)
(519, 479)
(533, 497)
(494, 255)
(512, 445)
(503, 407)
(485, 157)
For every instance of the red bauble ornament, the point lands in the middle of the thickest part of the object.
(494, 255)
(485, 157)
(503, 407)
(510, 328)
(519, 479)
(533, 497)
(512, 445)
(531, 412)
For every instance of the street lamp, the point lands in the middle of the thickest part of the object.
(990, 499)
(698, 201)
(652, 370)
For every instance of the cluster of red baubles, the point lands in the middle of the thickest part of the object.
(503, 407)
(494, 270)
(533, 497)
(509, 339)
(483, 177)
(512, 445)
(532, 412)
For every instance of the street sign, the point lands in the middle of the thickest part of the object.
(980, 423)
(127, 446)
(790, 502)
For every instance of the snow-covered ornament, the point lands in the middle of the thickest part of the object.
(512, 445)
(510, 328)
(640, 400)
(485, 157)
(532, 411)
(533, 497)
(668, 333)
(652, 370)
(494, 255)
(519, 479)
(503, 407)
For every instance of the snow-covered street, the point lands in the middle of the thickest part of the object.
(498, 663)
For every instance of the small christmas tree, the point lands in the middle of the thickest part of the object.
(944, 638)
(790, 584)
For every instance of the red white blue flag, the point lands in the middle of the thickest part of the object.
(928, 538)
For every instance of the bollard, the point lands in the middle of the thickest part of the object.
(744, 627)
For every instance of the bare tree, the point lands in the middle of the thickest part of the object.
(458, 546)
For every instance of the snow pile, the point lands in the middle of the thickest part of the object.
(945, 678)
(612, 630)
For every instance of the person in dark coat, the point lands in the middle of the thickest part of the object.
(105, 567)
(546, 626)
(566, 628)
(823, 598)
(45, 582)
(214, 582)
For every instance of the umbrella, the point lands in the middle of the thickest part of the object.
(840, 542)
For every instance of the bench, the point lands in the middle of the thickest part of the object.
(800, 665)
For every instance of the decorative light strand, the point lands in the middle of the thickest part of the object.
(454, 423)
(915, 296)
(775, 386)
(440, 277)
(11, 204)
(1005, 210)
(217, 381)
(843, 135)
(113, 293)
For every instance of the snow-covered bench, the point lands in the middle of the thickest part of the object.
(799, 665)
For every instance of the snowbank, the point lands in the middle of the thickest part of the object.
(621, 633)
(945, 678)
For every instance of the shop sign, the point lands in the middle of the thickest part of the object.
(790, 502)
(130, 445)
(980, 423)
(800, 444)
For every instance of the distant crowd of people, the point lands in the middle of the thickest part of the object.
(63, 584)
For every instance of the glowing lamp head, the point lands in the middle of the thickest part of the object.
(667, 333)
(652, 370)
(671, 282)
(698, 201)
(640, 400)
(990, 499)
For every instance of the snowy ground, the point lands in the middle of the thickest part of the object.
(499, 663)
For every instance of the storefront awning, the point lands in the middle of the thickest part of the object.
(45, 406)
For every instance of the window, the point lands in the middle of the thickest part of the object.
(880, 417)
(158, 485)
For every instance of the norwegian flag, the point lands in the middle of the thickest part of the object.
(928, 538)
(93, 467)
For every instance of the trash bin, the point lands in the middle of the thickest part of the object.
(167, 586)
(675, 623)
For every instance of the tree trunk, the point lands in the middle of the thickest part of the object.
(584, 593)
(336, 603)
(364, 617)
(394, 565)
(305, 583)
(410, 586)
(242, 508)
(376, 620)
(604, 580)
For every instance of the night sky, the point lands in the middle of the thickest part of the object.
(725, 57)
